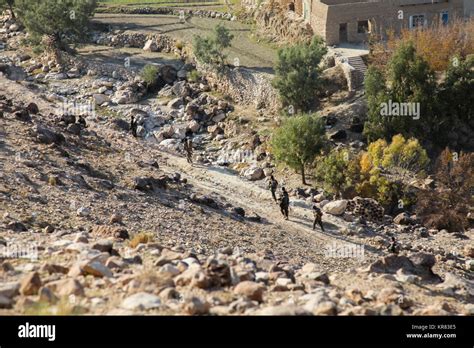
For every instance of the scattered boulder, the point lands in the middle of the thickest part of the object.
(47, 136)
(16, 226)
(403, 219)
(141, 301)
(32, 108)
(150, 46)
(110, 231)
(251, 290)
(254, 173)
(335, 207)
(30, 284)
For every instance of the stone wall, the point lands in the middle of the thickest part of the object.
(280, 25)
(245, 86)
(168, 11)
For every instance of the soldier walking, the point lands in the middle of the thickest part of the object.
(284, 203)
(188, 148)
(394, 246)
(273, 185)
(133, 126)
(318, 214)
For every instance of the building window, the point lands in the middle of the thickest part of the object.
(417, 21)
(363, 27)
(445, 17)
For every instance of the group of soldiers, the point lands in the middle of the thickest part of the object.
(284, 202)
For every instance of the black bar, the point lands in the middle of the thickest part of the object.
(212, 330)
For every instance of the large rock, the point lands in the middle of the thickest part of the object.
(125, 96)
(196, 306)
(5, 302)
(254, 173)
(175, 103)
(100, 99)
(419, 264)
(169, 145)
(10, 289)
(110, 231)
(66, 287)
(141, 301)
(193, 276)
(402, 219)
(150, 184)
(30, 284)
(193, 126)
(251, 290)
(335, 207)
(96, 269)
(47, 136)
(150, 46)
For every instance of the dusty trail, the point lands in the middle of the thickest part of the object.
(254, 197)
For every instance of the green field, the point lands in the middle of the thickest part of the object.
(245, 47)
(217, 5)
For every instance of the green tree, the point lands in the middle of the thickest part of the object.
(456, 100)
(298, 75)
(210, 50)
(408, 79)
(337, 171)
(8, 4)
(61, 21)
(298, 141)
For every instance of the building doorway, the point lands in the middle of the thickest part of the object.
(291, 6)
(343, 32)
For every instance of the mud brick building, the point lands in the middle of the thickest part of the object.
(339, 21)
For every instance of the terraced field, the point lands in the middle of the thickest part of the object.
(245, 47)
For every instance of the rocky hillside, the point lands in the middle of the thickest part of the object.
(94, 220)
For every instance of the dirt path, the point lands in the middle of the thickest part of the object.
(254, 197)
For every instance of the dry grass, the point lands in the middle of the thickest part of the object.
(437, 44)
(63, 307)
(141, 238)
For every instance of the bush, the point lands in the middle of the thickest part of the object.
(400, 157)
(140, 238)
(193, 76)
(384, 169)
(448, 206)
(150, 73)
(298, 75)
(210, 50)
(338, 172)
(298, 141)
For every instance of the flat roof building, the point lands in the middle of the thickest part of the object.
(339, 21)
